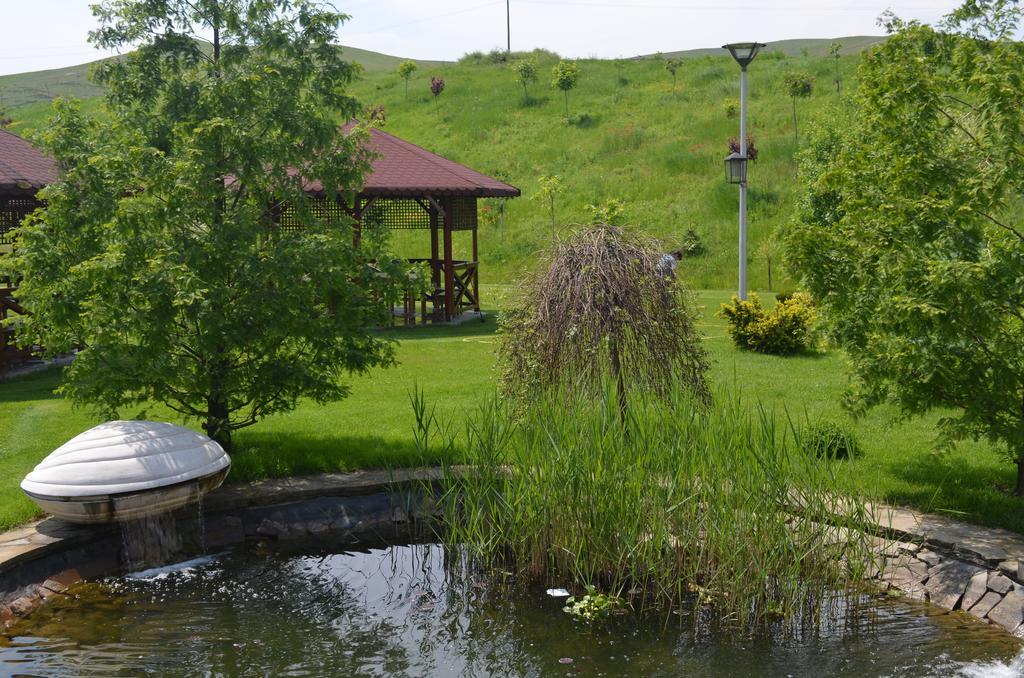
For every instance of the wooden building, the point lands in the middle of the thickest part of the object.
(410, 188)
(23, 171)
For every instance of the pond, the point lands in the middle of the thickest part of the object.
(415, 610)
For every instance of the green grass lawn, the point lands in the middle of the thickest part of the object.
(455, 369)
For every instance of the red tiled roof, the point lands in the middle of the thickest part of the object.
(400, 169)
(23, 169)
(403, 169)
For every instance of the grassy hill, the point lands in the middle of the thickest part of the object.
(23, 89)
(630, 137)
(814, 47)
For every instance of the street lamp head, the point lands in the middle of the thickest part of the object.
(744, 52)
(736, 168)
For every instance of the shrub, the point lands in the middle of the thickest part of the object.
(691, 244)
(734, 147)
(731, 109)
(829, 440)
(472, 58)
(786, 329)
(612, 212)
(582, 120)
(497, 56)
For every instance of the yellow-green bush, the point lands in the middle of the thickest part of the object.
(787, 328)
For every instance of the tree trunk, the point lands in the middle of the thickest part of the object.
(216, 424)
(566, 103)
(554, 228)
(1019, 492)
(796, 133)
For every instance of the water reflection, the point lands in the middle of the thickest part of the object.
(419, 610)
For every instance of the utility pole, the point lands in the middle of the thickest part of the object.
(508, 25)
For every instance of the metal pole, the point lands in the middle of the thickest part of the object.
(508, 25)
(743, 185)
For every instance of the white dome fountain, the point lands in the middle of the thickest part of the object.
(125, 470)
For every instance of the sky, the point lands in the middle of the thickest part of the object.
(45, 34)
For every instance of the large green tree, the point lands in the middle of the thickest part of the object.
(910, 234)
(158, 252)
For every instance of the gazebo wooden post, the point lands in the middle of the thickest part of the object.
(449, 270)
(476, 266)
(357, 226)
(435, 267)
(435, 271)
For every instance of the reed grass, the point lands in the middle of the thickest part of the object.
(688, 503)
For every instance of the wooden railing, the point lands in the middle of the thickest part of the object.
(432, 306)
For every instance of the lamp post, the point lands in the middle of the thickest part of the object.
(736, 164)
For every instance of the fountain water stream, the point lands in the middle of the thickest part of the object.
(156, 540)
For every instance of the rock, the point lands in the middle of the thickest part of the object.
(998, 583)
(6, 617)
(907, 578)
(930, 557)
(1009, 613)
(1009, 568)
(983, 606)
(22, 606)
(60, 582)
(948, 581)
(976, 590)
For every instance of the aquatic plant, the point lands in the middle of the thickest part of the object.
(688, 497)
(593, 605)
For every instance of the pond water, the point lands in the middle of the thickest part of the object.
(413, 611)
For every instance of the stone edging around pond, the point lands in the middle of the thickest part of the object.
(925, 557)
(45, 558)
(954, 565)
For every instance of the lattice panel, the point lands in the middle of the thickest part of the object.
(463, 214)
(12, 211)
(325, 210)
(393, 213)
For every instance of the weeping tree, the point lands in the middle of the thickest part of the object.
(602, 310)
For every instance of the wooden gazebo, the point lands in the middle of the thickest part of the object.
(23, 171)
(410, 188)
